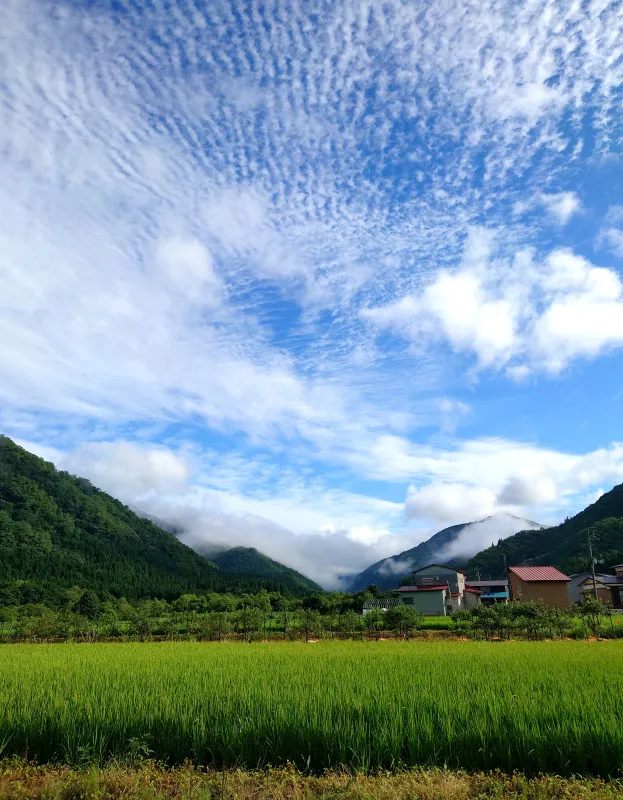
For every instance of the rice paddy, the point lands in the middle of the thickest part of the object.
(552, 707)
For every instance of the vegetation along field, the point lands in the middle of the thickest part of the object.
(537, 707)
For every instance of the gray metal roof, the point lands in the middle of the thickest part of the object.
(487, 583)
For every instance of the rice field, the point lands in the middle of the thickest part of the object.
(552, 707)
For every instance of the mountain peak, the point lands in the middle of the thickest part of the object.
(454, 545)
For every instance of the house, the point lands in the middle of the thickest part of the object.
(540, 584)
(617, 590)
(490, 591)
(438, 590)
(607, 587)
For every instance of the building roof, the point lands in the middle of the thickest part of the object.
(487, 583)
(495, 595)
(472, 590)
(614, 566)
(538, 574)
(599, 578)
(478, 584)
(435, 588)
(442, 566)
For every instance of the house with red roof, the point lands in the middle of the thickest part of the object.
(540, 584)
(437, 590)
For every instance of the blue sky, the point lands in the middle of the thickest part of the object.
(315, 277)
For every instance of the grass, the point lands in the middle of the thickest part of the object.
(150, 781)
(437, 624)
(536, 707)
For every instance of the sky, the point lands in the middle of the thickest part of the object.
(316, 277)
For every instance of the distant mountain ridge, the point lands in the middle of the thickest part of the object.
(249, 561)
(245, 561)
(450, 546)
(563, 546)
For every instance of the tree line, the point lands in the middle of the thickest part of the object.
(86, 616)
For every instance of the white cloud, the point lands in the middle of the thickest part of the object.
(523, 490)
(449, 502)
(188, 266)
(128, 470)
(610, 236)
(545, 315)
(561, 206)
(484, 533)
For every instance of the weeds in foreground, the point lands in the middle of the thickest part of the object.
(149, 781)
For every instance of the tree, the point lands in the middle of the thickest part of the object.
(402, 620)
(311, 623)
(248, 622)
(592, 613)
(88, 605)
(373, 622)
(189, 603)
(350, 623)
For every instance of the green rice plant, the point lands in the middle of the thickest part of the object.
(529, 706)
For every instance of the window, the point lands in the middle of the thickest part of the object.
(408, 601)
(430, 579)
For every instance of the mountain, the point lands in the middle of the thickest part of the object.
(249, 561)
(453, 546)
(58, 531)
(564, 546)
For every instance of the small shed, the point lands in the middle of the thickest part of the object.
(540, 584)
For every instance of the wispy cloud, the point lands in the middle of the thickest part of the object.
(559, 206)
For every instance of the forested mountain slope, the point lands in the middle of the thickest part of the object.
(564, 546)
(249, 561)
(59, 530)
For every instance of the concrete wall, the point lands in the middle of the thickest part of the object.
(552, 593)
(452, 604)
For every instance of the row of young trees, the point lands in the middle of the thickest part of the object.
(539, 621)
(86, 616)
(248, 623)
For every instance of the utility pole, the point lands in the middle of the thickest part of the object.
(506, 576)
(590, 551)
